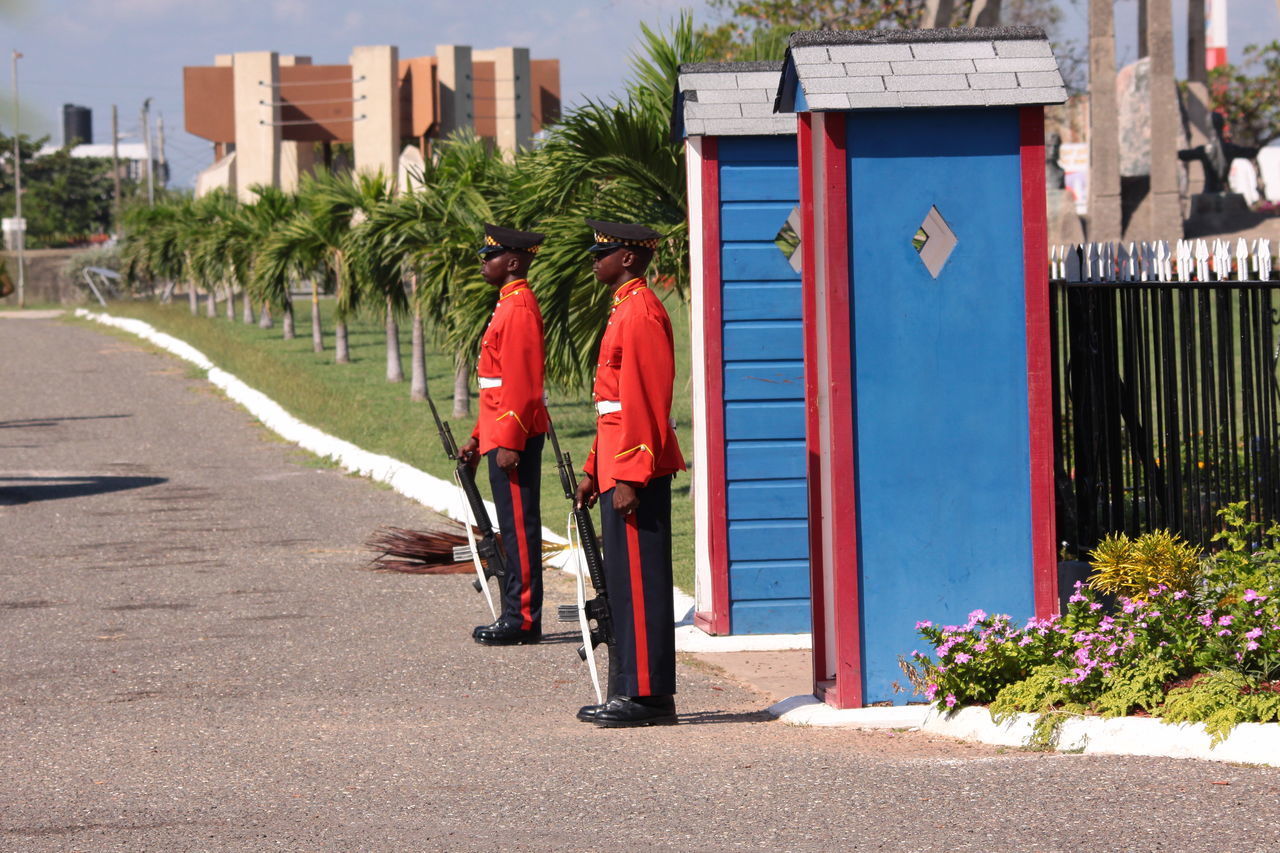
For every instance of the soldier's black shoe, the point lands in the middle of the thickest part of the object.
(506, 634)
(587, 713)
(475, 632)
(622, 712)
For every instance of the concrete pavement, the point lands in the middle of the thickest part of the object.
(193, 659)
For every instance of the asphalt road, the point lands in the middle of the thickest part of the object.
(193, 659)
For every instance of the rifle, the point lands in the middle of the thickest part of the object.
(589, 550)
(488, 547)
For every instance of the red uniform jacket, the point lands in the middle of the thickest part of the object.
(636, 369)
(511, 368)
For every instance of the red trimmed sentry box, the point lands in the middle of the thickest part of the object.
(748, 373)
(928, 417)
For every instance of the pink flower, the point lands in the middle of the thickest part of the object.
(1179, 595)
(1251, 595)
(1095, 607)
(1226, 620)
(1253, 634)
(930, 691)
(1026, 640)
(1076, 598)
(951, 700)
(977, 616)
(979, 647)
(924, 624)
(1225, 632)
(1206, 618)
(1251, 646)
(961, 657)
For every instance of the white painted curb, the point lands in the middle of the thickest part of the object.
(1248, 743)
(432, 492)
(808, 711)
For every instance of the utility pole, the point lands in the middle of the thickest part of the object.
(115, 164)
(160, 160)
(17, 188)
(146, 142)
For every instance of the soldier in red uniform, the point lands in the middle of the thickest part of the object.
(629, 470)
(511, 430)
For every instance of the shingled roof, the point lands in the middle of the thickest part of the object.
(888, 69)
(729, 99)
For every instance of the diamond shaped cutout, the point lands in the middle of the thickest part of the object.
(788, 239)
(933, 241)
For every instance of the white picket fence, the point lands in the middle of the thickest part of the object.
(1185, 261)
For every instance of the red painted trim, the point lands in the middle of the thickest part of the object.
(713, 350)
(637, 604)
(1035, 248)
(523, 550)
(839, 355)
(703, 621)
(813, 450)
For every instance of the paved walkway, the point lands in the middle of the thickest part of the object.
(192, 659)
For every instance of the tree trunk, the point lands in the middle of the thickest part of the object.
(265, 320)
(231, 302)
(462, 388)
(211, 303)
(341, 351)
(395, 370)
(317, 334)
(290, 327)
(418, 360)
(194, 299)
(247, 315)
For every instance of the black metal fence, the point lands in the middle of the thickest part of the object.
(1166, 402)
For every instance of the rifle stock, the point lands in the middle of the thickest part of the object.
(597, 609)
(488, 546)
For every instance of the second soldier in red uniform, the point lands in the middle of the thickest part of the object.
(511, 430)
(629, 469)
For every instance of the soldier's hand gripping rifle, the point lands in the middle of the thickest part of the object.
(488, 547)
(589, 563)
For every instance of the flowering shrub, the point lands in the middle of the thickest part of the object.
(1210, 654)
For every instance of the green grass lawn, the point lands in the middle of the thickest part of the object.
(355, 402)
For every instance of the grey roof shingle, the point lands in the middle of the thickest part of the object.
(957, 67)
(729, 99)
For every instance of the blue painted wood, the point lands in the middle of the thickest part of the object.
(756, 182)
(753, 220)
(769, 540)
(764, 389)
(761, 580)
(761, 149)
(770, 617)
(759, 341)
(766, 460)
(763, 420)
(770, 380)
(767, 499)
(754, 262)
(761, 301)
(940, 370)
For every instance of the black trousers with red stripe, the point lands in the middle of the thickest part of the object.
(517, 497)
(637, 569)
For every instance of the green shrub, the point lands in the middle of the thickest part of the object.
(1133, 567)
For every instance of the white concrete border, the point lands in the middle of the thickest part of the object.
(808, 711)
(1248, 743)
(432, 492)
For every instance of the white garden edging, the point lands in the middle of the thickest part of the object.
(808, 711)
(432, 492)
(1248, 743)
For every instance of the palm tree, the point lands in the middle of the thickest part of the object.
(375, 264)
(154, 249)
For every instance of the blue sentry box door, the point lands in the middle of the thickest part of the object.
(763, 373)
(942, 456)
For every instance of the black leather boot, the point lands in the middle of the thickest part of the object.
(475, 632)
(622, 712)
(506, 634)
(587, 713)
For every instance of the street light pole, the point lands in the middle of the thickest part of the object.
(146, 142)
(17, 188)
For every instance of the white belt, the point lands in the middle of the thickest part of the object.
(490, 381)
(608, 407)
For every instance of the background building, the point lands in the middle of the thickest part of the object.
(271, 117)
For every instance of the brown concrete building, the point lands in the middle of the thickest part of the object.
(271, 117)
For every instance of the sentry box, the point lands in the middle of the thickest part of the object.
(928, 421)
(749, 471)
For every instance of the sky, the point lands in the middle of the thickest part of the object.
(102, 52)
